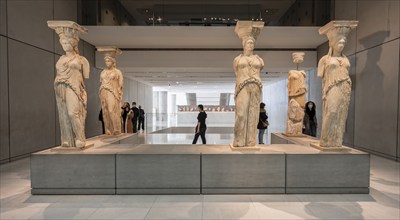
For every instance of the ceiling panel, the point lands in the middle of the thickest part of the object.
(198, 58)
(175, 11)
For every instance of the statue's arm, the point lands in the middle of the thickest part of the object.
(321, 67)
(85, 67)
(235, 64)
(121, 84)
(261, 61)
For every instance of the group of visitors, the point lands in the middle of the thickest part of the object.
(132, 119)
(309, 122)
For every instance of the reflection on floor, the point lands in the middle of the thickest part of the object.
(182, 138)
(187, 138)
(383, 202)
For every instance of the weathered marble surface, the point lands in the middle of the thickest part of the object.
(298, 57)
(69, 85)
(295, 116)
(333, 68)
(111, 91)
(248, 88)
(297, 97)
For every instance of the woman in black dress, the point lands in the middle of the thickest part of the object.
(310, 120)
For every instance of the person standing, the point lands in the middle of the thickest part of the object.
(310, 120)
(141, 118)
(201, 125)
(102, 121)
(262, 123)
(127, 115)
(135, 117)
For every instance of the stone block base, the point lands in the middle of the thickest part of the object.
(243, 148)
(330, 149)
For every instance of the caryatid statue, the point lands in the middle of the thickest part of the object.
(248, 88)
(297, 97)
(111, 91)
(69, 85)
(333, 68)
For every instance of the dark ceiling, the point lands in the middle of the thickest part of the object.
(205, 12)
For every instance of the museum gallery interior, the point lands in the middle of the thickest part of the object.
(296, 104)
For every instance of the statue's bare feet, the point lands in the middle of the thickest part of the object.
(79, 143)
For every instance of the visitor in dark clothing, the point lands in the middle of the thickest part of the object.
(141, 118)
(201, 125)
(102, 121)
(135, 116)
(310, 124)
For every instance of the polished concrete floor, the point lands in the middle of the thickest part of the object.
(383, 202)
(187, 138)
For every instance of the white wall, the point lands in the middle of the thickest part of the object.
(275, 97)
(138, 92)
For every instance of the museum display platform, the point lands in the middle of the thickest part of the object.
(280, 138)
(121, 166)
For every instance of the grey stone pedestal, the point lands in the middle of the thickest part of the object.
(199, 169)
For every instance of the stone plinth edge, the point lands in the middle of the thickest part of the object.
(294, 135)
(243, 148)
(330, 149)
(72, 149)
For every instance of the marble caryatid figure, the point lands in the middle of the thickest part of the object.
(294, 119)
(248, 88)
(69, 85)
(111, 90)
(297, 98)
(333, 68)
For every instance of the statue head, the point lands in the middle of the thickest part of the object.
(248, 30)
(110, 54)
(69, 33)
(337, 32)
(109, 61)
(298, 57)
(248, 43)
